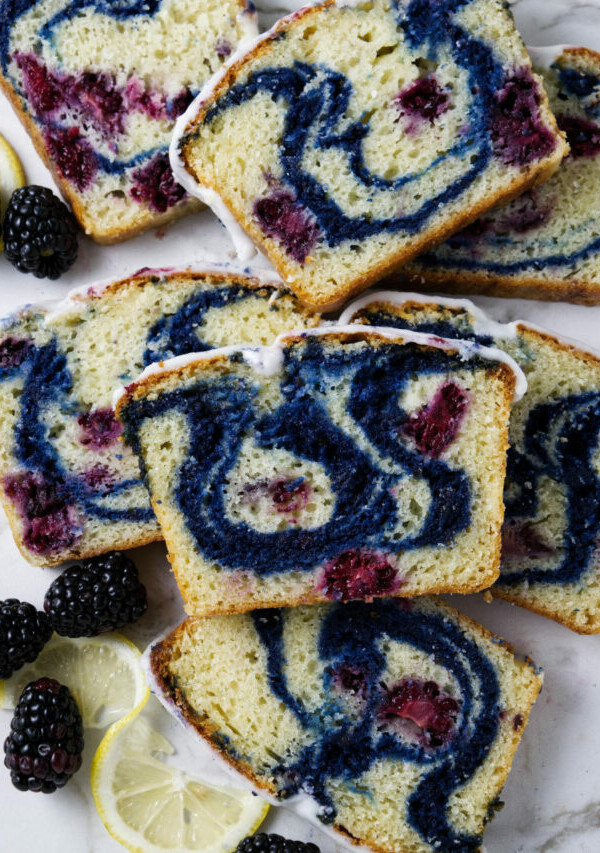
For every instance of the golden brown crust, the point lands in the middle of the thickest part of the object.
(549, 612)
(15, 522)
(422, 242)
(159, 662)
(468, 282)
(162, 652)
(146, 220)
(488, 573)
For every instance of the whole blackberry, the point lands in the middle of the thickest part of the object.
(264, 843)
(40, 233)
(23, 633)
(102, 594)
(45, 743)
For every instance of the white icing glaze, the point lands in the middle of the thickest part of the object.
(269, 360)
(482, 324)
(466, 349)
(545, 57)
(243, 245)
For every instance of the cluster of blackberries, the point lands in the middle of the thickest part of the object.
(102, 594)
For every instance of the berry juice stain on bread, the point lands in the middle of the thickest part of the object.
(70, 487)
(354, 136)
(545, 244)
(396, 722)
(551, 530)
(99, 86)
(336, 465)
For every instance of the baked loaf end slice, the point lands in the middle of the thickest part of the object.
(397, 721)
(335, 465)
(99, 86)
(355, 136)
(552, 492)
(69, 485)
(545, 244)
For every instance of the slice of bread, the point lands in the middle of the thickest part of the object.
(70, 487)
(552, 494)
(338, 464)
(545, 244)
(98, 87)
(355, 135)
(396, 722)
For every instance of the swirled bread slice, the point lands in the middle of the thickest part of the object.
(70, 487)
(338, 464)
(354, 136)
(98, 85)
(545, 244)
(552, 494)
(395, 721)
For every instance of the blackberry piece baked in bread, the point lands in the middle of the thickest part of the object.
(98, 85)
(338, 464)
(396, 722)
(545, 244)
(552, 493)
(70, 487)
(353, 136)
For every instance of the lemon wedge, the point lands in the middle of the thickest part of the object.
(103, 673)
(12, 176)
(150, 806)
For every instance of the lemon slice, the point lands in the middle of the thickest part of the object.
(103, 674)
(150, 806)
(12, 176)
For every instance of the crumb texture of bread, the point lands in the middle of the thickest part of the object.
(70, 486)
(99, 87)
(361, 467)
(544, 244)
(552, 491)
(359, 135)
(399, 719)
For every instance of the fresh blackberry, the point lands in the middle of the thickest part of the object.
(102, 594)
(40, 233)
(23, 633)
(45, 743)
(271, 843)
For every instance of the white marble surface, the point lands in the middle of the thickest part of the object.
(553, 793)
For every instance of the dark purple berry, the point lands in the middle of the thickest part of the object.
(73, 154)
(359, 574)
(102, 594)
(50, 522)
(272, 843)
(23, 633)
(435, 426)
(44, 747)
(582, 135)
(99, 428)
(518, 132)
(422, 101)
(155, 184)
(283, 218)
(40, 233)
(424, 706)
